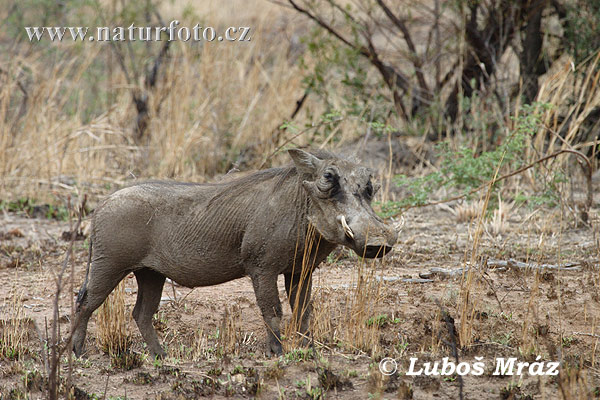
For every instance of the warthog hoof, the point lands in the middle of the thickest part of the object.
(274, 348)
(158, 354)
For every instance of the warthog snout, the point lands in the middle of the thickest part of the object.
(373, 238)
(372, 251)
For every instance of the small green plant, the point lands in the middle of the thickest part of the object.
(310, 391)
(237, 370)
(503, 338)
(568, 341)
(382, 320)
(31, 208)
(352, 373)
(463, 170)
(299, 355)
(506, 316)
(401, 346)
(57, 212)
(33, 380)
(274, 371)
(23, 204)
(511, 391)
(333, 258)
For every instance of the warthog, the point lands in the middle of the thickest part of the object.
(206, 234)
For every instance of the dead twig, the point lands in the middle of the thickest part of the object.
(55, 350)
(594, 335)
(302, 132)
(323, 345)
(393, 78)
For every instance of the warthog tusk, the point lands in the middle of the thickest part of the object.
(347, 229)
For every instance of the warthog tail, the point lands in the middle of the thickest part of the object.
(83, 290)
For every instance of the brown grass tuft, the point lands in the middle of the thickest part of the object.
(14, 327)
(112, 321)
(230, 334)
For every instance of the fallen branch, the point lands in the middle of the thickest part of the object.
(443, 272)
(594, 335)
(498, 266)
(514, 264)
(417, 280)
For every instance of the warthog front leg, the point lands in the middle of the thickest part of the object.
(298, 289)
(150, 286)
(267, 297)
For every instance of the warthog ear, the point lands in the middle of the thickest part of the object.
(305, 162)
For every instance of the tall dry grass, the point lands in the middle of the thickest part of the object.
(14, 328)
(215, 104)
(348, 317)
(112, 321)
(572, 93)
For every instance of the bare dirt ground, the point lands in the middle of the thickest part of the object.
(514, 312)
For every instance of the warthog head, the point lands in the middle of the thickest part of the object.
(341, 192)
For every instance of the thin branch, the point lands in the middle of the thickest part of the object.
(409, 42)
(302, 132)
(327, 28)
(55, 351)
(121, 60)
(594, 335)
(393, 78)
(513, 173)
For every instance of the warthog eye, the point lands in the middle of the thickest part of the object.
(369, 190)
(328, 182)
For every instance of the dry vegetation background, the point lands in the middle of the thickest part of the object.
(84, 119)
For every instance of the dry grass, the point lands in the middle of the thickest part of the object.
(113, 323)
(498, 222)
(358, 328)
(199, 122)
(15, 328)
(200, 346)
(230, 334)
(556, 88)
(466, 212)
(352, 318)
(290, 331)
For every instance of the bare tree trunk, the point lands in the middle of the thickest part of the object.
(531, 64)
(485, 47)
